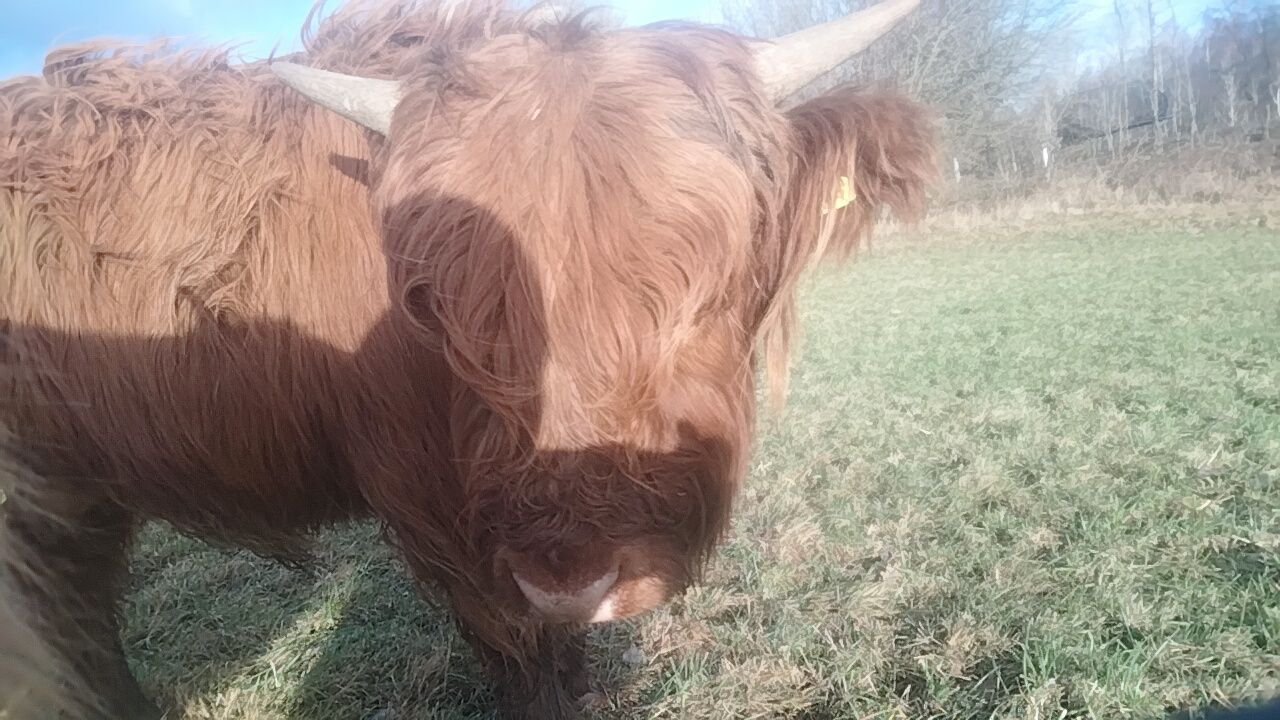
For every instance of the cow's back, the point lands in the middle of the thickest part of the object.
(188, 266)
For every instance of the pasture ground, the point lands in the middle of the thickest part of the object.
(1027, 475)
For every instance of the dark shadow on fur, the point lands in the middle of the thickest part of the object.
(355, 168)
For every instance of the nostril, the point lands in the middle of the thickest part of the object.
(555, 559)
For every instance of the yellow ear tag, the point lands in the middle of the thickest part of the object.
(845, 196)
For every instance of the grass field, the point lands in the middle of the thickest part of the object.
(1033, 476)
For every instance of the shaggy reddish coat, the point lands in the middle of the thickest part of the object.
(520, 330)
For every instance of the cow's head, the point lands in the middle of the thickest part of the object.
(597, 230)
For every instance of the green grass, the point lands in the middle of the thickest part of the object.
(1026, 477)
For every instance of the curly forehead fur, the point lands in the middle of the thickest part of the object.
(631, 166)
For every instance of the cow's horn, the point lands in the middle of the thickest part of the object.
(367, 101)
(792, 61)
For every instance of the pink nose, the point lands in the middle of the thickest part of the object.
(588, 602)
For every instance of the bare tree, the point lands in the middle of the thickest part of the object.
(1185, 85)
(1156, 89)
(973, 60)
(1121, 122)
(1273, 110)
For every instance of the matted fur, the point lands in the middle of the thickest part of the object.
(520, 330)
(34, 680)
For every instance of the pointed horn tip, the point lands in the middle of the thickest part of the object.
(288, 71)
(367, 101)
(792, 61)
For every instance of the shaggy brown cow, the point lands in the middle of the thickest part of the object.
(505, 299)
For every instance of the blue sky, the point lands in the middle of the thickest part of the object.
(31, 27)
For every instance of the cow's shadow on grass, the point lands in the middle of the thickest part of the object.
(1266, 711)
(346, 636)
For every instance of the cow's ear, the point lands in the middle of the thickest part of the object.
(855, 154)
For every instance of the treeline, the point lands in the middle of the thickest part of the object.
(1025, 91)
(1224, 79)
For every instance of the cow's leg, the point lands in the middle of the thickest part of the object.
(69, 558)
(548, 679)
(572, 664)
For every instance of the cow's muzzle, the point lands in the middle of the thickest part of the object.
(589, 602)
